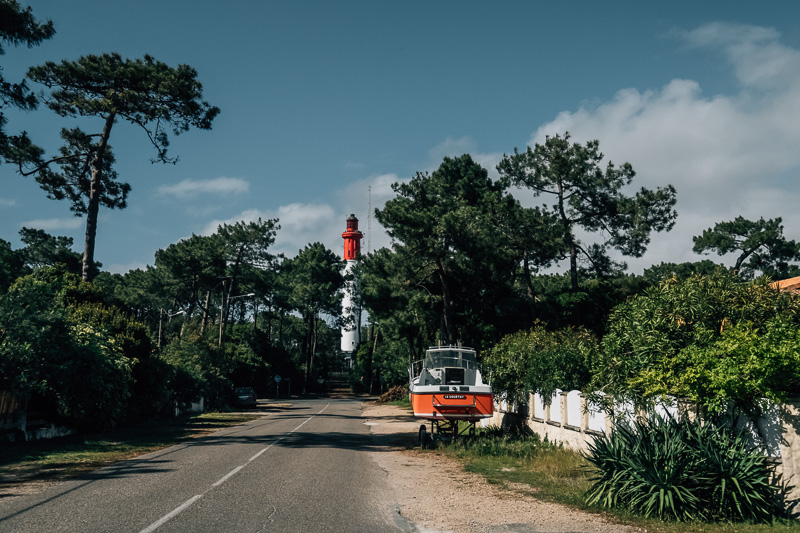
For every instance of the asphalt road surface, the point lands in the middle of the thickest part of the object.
(298, 468)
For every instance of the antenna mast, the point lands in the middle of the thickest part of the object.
(369, 220)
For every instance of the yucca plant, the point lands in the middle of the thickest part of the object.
(737, 474)
(646, 467)
(681, 470)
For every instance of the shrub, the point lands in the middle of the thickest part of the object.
(681, 470)
(711, 339)
(541, 361)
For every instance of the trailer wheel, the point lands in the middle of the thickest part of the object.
(423, 436)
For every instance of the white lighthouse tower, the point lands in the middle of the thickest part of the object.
(350, 308)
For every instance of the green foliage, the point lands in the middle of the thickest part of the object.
(62, 346)
(314, 280)
(35, 336)
(690, 338)
(144, 92)
(184, 273)
(198, 371)
(456, 234)
(558, 306)
(744, 363)
(11, 265)
(589, 197)
(381, 365)
(42, 249)
(761, 247)
(18, 26)
(403, 311)
(664, 271)
(248, 368)
(541, 361)
(682, 470)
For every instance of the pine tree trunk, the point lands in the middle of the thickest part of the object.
(573, 267)
(95, 192)
(204, 323)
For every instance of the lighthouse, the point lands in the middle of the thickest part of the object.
(351, 311)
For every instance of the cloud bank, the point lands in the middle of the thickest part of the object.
(727, 155)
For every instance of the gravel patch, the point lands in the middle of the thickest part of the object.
(437, 495)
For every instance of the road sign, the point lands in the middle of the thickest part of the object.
(277, 379)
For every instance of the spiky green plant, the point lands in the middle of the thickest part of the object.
(737, 486)
(681, 470)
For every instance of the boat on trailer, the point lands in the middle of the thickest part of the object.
(447, 388)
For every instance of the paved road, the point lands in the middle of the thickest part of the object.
(300, 468)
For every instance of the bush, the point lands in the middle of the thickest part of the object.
(682, 470)
(712, 340)
(197, 372)
(75, 359)
(541, 361)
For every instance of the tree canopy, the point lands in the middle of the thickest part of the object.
(590, 197)
(17, 26)
(760, 245)
(699, 338)
(314, 279)
(458, 234)
(143, 92)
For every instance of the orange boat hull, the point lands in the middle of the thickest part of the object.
(452, 405)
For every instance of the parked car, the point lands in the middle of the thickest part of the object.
(244, 397)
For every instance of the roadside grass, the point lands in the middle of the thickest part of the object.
(75, 455)
(524, 463)
(405, 403)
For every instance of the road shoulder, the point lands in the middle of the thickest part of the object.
(436, 493)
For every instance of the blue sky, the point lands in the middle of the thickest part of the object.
(322, 101)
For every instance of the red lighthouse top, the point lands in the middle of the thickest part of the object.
(352, 239)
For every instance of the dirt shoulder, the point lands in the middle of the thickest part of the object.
(436, 493)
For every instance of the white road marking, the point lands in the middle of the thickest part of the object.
(178, 510)
(161, 521)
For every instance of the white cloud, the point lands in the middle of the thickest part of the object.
(300, 224)
(7, 202)
(727, 155)
(117, 268)
(50, 224)
(758, 57)
(466, 145)
(221, 185)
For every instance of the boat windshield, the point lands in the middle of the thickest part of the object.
(450, 358)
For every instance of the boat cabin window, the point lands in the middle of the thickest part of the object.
(454, 376)
(450, 358)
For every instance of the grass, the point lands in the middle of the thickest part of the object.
(548, 471)
(405, 403)
(71, 456)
